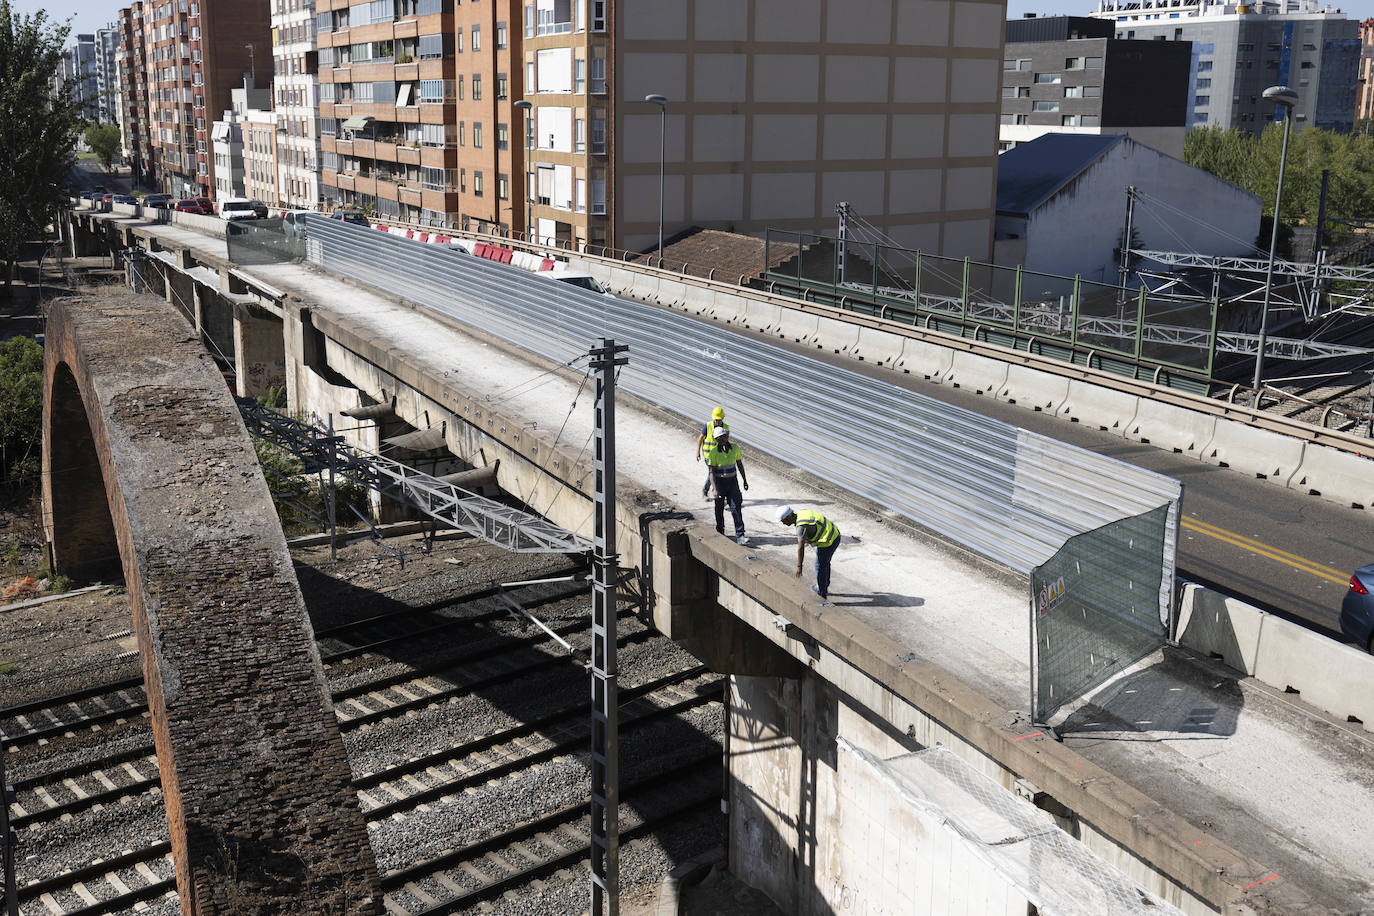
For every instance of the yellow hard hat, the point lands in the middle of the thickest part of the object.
(718, 413)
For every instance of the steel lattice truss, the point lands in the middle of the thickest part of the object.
(483, 518)
(1297, 284)
(1055, 319)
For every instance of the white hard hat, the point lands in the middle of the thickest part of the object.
(784, 513)
(719, 432)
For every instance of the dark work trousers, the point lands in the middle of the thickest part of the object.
(727, 491)
(823, 555)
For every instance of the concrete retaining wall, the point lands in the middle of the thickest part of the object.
(1329, 675)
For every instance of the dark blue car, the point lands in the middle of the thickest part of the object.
(1357, 610)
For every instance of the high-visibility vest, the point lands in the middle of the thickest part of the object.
(709, 445)
(723, 459)
(823, 533)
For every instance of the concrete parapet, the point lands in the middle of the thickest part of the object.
(1328, 471)
(1254, 451)
(976, 373)
(798, 326)
(1096, 405)
(1329, 675)
(206, 225)
(1035, 389)
(1169, 426)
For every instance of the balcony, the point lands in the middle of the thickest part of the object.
(408, 154)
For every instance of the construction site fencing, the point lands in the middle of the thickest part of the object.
(972, 297)
(1008, 494)
(1094, 608)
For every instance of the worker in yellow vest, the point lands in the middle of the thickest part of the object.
(727, 473)
(820, 532)
(707, 441)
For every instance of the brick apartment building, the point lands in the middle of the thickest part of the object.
(133, 91)
(191, 54)
(1364, 78)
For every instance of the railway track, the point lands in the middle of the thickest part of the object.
(391, 676)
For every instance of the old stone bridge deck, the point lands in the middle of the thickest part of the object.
(1260, 808)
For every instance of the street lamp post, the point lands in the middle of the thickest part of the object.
(527, 107)
(662, 103)
(1284, 99)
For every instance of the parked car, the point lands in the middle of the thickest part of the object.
(259, 208)
(1357, 610)
(123, 199)
(207, 206)
(160, 201)
(232, 208)
(188, 205)
(580, 280)
(356, 217)
(293, 223)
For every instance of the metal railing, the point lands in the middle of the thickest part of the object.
(1008, 494)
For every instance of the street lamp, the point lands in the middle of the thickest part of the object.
(1284, 99)
(662, 103)
(526, 106)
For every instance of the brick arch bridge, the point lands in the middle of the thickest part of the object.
(147, 470)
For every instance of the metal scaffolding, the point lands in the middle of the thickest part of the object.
(502, 525)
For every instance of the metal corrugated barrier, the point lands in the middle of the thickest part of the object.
(1008, 494)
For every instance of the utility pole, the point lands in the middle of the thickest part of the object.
(1125, 267)
(605, 827)
(842, 208)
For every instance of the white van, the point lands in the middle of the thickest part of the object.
(232, 208)
(580, 280)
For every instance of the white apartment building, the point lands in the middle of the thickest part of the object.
(295, 93)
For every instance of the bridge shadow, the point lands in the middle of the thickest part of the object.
(659, 745)
(874, 599)
(1175, 698)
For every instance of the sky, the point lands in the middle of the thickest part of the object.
(89, 15)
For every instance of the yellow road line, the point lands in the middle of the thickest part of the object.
(1302, 564)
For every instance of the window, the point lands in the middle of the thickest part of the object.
(431, 47)
(1204, 84)
(1073, 92)
(1307, 65)
(458, 37)
(1073, 63)
(462, 133)
(1043, 78)
(1044, 106)
(1019, 64)
(477, 38)
(463, 180)
(502, 87)
(1023, 119)
(477, 184)
(1092, 92)
(477, 87)
(529, 21)
(1090, 120)
(432, 91)
(476, 134)
(579, 75)
(503, 187)
(1008, 92)
(579, 136)
(1069, 120)
(502, 136)
(434, 134)
(1204, 66)
(1092, 63)
(599, 75)
(598, 15)
(500, 35)
(1202, 100)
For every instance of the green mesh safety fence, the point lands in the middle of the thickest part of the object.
(1096, 608)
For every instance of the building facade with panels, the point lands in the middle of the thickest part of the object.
(782, 109)
(1069, 75)
(1240, 49)
(106, 47)
(296, 101)
(78, 73)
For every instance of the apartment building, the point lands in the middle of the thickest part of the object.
(1364, 82)
(296, 102)
(196, 54)
(77, 72)
(133, 91)
(106, 49)
(1068, 74)
(262, 155)
(1242, 48)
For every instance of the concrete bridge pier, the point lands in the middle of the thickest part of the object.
(259, 350)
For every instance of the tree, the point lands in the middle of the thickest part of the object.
(104, 141)
(38, 131)
(21, 401)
